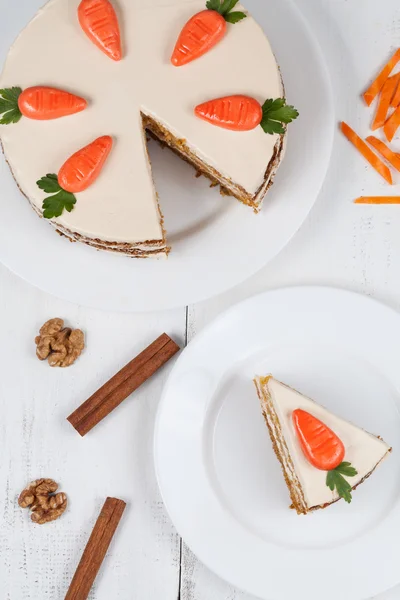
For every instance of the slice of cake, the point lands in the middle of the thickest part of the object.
(323, 457)
(117, 56)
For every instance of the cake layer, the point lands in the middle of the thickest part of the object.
(363, 450)
(121, 206)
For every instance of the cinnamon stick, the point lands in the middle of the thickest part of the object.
(96, 549)
(119, 387)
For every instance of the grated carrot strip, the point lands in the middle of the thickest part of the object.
(396, 98)
(385, 151)
(367, 153)
(392, 125)
(385, 99)
(379, 82)
(377, 200)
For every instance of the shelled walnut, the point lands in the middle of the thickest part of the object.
(60, 345)
(41, 497)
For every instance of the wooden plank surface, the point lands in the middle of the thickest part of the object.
(352, 247)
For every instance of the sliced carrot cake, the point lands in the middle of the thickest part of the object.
(201, 76)
(323, 457)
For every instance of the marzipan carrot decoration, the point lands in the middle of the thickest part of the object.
(385, 151)
(385, 99)
(367, 153)
(79, 172)
(323, 450)
(204, 30)
(377, 200)
(99, 21)
(40, 103)
(242, 113)
(377, 85)
(392, 125)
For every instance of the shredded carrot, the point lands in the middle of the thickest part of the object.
(367, 153)
(392, 125)
(396, 97)
(385, 151)
(377, 200)
(385, 99)
(377, 85)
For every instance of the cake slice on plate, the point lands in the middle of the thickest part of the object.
(323, 457)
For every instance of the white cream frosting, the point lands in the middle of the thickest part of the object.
(363, 450)
(121, 206)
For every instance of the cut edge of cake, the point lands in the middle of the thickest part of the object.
(228, 187)
(283, 454)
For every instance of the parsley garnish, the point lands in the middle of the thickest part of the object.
(224, 8)
(335, 479)
(53, 206)
(275, 113)
(9, 108)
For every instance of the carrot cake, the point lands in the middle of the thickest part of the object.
(323, 457)
(201, 77)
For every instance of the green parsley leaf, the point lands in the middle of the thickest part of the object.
(213, 5)
(227, 6)
(224, 8)
(53, 206)
(235, 17)
(275, 113)
(345, 468)
(49, 184)
(335, 479)
(9, 108)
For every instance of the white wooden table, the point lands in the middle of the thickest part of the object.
(340, 244)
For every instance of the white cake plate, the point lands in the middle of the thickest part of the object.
(216, 242)
(219, 478)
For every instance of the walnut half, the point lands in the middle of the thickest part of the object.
(41, 497)
(60, 345)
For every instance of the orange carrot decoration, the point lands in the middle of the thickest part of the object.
(379, 82)
(76, 175)
(242, 113)
(39, 103)
(385, 99)
(83, 167)
(321, 447)
(99, 21)
(367, 153)
(377, 200)
(204, 30)
(392, 125)
(385, 151)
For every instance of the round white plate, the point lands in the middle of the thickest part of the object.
(219, 477)
(217, 242)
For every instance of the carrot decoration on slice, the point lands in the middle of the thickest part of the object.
(385, 99)
(40, 103)
(324, 450)
(76, 175)
(242, 113)
(204, 30)
(385, 151)
(377, 200)
(392, 125)
(379, 82)
(367, 153)
(99, 21)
